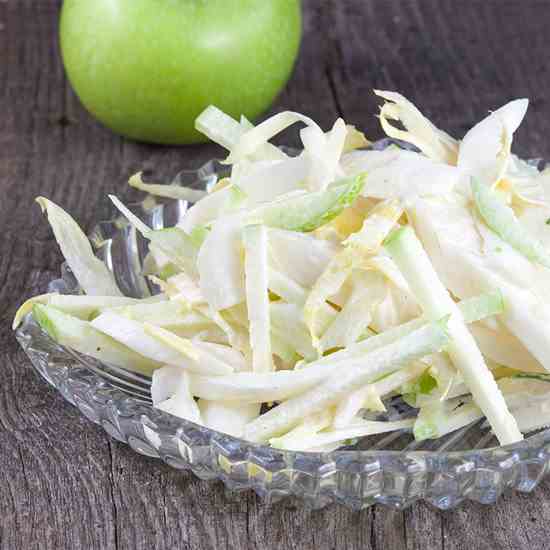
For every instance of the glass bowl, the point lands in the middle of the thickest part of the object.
(389, 469)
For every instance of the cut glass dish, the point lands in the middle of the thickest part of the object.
(390, 469)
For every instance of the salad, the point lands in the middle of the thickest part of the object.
(302, 293)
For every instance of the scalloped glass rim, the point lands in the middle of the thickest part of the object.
(355, 478)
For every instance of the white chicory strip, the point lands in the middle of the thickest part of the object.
(173, 242)
(248, 387)
(328, 284)
(433, 142)
(257, 137)
(219, 127)
(91, 273)
(300, 256)
(82, 337)
(146, 341)
(171, 313)
(287, 321)
(182, 345)
(409, 176)
(324, 152)
(83, 307)
(257, 298)
(219, 264)
(504, 348)
(224, 353)
(226, 131)
(170, 191)
(485, 150)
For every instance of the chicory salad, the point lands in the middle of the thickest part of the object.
(300, 294)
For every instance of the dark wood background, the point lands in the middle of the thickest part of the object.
(63, 483)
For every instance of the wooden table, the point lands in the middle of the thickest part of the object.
(63, 483)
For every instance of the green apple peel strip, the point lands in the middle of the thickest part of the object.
(411, 258)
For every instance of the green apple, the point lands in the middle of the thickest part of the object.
(147, 68)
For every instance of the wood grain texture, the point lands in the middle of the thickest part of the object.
(63, 483)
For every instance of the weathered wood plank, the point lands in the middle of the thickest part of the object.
(455, 61)
(63, 483)
(54, 492)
